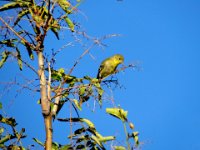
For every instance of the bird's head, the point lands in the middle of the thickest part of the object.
(118, 58)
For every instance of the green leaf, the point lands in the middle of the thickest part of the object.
(64, 4)
(55, 27)
(87, 78)
(55, 146)
(1, 131)
(66, 147)
(9, 42)
(79, 131)
(69, 79)
(15, 147)
(5, 139)
(70, 24)
(10, 121)
(4, 56)
(39, 101)
(85, 91)
(61, 71)
(19, 59)
(82, 90)
(119, 148)
(118, 113)
(88, 122)
(29, 50)
(20, 15)
(100, 91)
(56, 75)
(55, 31)
(135, 137)
(77, 104)
(39, 142)
(99, 136)
(97, 141)
(1, 106)
(13, 5)
(107, 138)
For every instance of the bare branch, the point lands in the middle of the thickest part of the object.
(24, 40)
(82, 55)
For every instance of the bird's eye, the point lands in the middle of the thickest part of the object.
(119, 58)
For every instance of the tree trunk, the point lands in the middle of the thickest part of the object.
(45, 102)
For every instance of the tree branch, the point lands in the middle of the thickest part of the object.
(24, 40)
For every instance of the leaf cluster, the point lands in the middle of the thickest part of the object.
(9, 137)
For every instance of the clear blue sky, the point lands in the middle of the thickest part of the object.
(162, 98)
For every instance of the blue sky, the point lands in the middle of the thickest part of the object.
(162, 98)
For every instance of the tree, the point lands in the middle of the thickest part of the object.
(56, 86)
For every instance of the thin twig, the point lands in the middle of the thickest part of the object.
(24, 40)
(49, 83)
(83, 54)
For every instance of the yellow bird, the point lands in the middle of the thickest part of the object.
(109, 66)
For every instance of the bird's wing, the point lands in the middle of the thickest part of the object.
(99, 71)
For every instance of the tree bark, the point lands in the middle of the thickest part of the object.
(45, 102)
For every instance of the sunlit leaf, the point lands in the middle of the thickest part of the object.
(79, 131)
(118, 113)
(99, 136)
(107, 138)
(13, 5)
(64, 4)
(56, 75)
(135, 137)
(38, 141)
(119, 148)
(55, 146)
(39, 101)
(97, 141)
(61, 71)
(5, 139)
(69, 79)
(1, 106)
(29, 50)
(66, 147)
(37, 14)
(55, 27)
(15, 147)
(55, 31)
(82, 90)
(9, 42)
(19, 59)
(1, 130)
(87, 78)
(20, 15)
(77, 104)
(70, 24)
(10, 121)
(88, 122)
